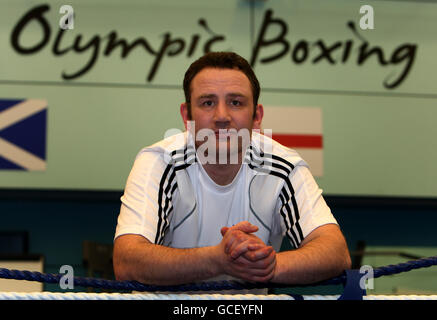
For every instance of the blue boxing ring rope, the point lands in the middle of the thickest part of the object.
(350, 280)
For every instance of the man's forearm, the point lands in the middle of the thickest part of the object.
(320, 259)
(160, 265)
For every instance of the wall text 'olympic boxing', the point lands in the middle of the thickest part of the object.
(356, 50)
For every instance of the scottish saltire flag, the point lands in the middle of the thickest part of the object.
(23, 134)
(299, 128)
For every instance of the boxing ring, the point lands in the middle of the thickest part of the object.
(350, 279)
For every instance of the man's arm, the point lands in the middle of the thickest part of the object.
(322, 254)
(136, 258)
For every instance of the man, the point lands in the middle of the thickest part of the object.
(191, 214)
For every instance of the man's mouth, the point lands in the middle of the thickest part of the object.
(224, 134)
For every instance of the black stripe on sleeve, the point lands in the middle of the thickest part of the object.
(166, 191)
(288, 197)
(290, 232)
(281, 168)
(168, 207)
(160, 200)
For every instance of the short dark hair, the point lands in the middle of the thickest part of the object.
(221, 60)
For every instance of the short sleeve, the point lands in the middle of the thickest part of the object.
(143, 194)
(302, 206)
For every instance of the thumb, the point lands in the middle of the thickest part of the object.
(224, 230)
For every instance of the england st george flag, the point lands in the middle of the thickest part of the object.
(23, 134)
(299, 128)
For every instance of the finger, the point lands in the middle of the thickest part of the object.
(239, 238)
(242, 269)
(265, 278)
(243, 247)
(246, 227)
(255, 246)
(266, 273)
(267, 261)
(256, 274)
(233, 238)
(251, 243)
(262, 264)
(259, 253)
(270, 272)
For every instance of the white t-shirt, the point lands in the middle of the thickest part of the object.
(170, 199)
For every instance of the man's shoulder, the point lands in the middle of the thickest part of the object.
(278, 153)
(168, 146)
(171, 150)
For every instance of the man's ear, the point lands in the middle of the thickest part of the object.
(184, 114)
(258, 116)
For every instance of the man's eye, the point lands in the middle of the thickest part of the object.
(236, 103)
(207, 103)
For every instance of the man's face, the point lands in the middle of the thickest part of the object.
(222, 99)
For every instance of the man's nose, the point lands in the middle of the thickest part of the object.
(221, 116)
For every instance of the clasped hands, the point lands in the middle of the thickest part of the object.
(246, 256)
